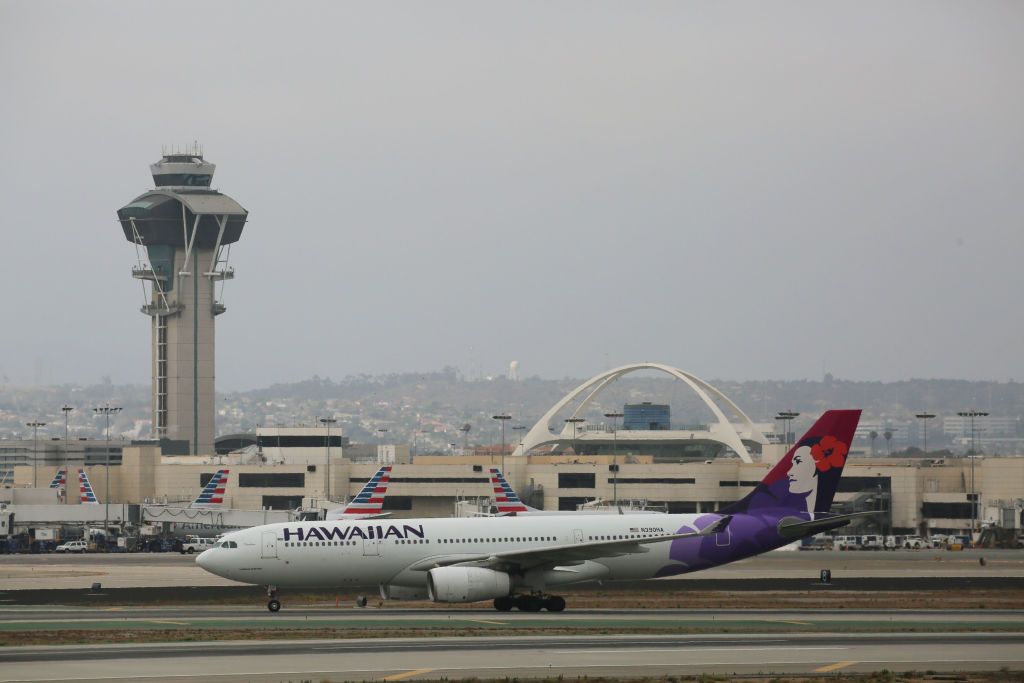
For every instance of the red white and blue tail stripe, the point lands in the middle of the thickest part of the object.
(505, 497)
(60, 480)
(85, 492)
(370, 500)
(213, 493)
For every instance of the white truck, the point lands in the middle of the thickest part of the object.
(72, 547)
(197, 544)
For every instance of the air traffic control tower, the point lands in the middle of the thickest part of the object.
(183, 231)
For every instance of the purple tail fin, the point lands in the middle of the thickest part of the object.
(805, 480)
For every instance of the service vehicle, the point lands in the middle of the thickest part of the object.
(913, 542)
(197, 544)
(73, 547)
(846, 543)
(872, 542)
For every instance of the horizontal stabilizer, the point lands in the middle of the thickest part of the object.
(794, 527)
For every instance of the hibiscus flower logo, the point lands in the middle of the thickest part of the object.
(828, 453)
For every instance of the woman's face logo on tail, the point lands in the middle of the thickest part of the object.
(810, 459)
(802, 471)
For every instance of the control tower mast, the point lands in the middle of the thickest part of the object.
(183, 231)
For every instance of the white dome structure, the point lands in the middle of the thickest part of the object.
(735, 436)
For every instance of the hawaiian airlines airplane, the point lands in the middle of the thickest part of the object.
(515, 560)
(369, 502)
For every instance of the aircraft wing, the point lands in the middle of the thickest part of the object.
(794, 527)
(566, 554)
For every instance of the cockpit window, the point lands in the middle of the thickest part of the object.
(226, 544)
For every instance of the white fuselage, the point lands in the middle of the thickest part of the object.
(370, 553)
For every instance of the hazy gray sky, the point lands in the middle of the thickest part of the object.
(745, 190)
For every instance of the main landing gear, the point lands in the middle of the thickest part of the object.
(530, 603)
(273, 604)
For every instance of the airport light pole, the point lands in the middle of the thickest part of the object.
(502, 418)
(574, 423)
(615, 415)
(786, 416)
(35, 425)
(67, 475)
(106, 411)
(328, 421)
(974, 494)
(924, 417)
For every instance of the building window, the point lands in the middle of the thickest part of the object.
(570, 503)
(653, 480)
(308, 441)
(947, 510)
(440, 480)
(259, 480)
(733, 482)
(397, 503)
(282, 502)
(576, 480)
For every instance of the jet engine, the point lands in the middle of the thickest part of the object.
(466, 584)
(391, 592)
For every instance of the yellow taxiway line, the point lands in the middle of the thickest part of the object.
(833, 667)
(407, 674)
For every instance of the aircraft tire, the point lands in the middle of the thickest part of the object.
(529, 603)
(274, 605)
(361, 601)
(504, 604)
(554, 603)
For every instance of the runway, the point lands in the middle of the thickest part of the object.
(169, 570)
(257, 617)
(498, 657)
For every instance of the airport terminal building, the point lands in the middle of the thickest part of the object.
(915, 495)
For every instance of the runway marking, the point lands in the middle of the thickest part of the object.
(833, 667)
(485, 621)
(408, 674)
(164, 621)
(798, 623)
(671, 648)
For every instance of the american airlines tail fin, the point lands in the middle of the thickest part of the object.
(505, 497)
(369, 502)
(212, 494)
(59, 480)
(806, 479)
(85, 492)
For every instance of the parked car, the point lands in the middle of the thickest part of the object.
(913, 542)
(73, 547)
(197, 544)
(846, 543)
(872, 542)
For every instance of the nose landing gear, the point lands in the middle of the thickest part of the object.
(530, 603)
(273, 604)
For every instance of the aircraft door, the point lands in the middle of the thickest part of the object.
(577, 535)
(371, 547)
(269, 546)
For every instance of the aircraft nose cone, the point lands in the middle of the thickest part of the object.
(203, 560)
